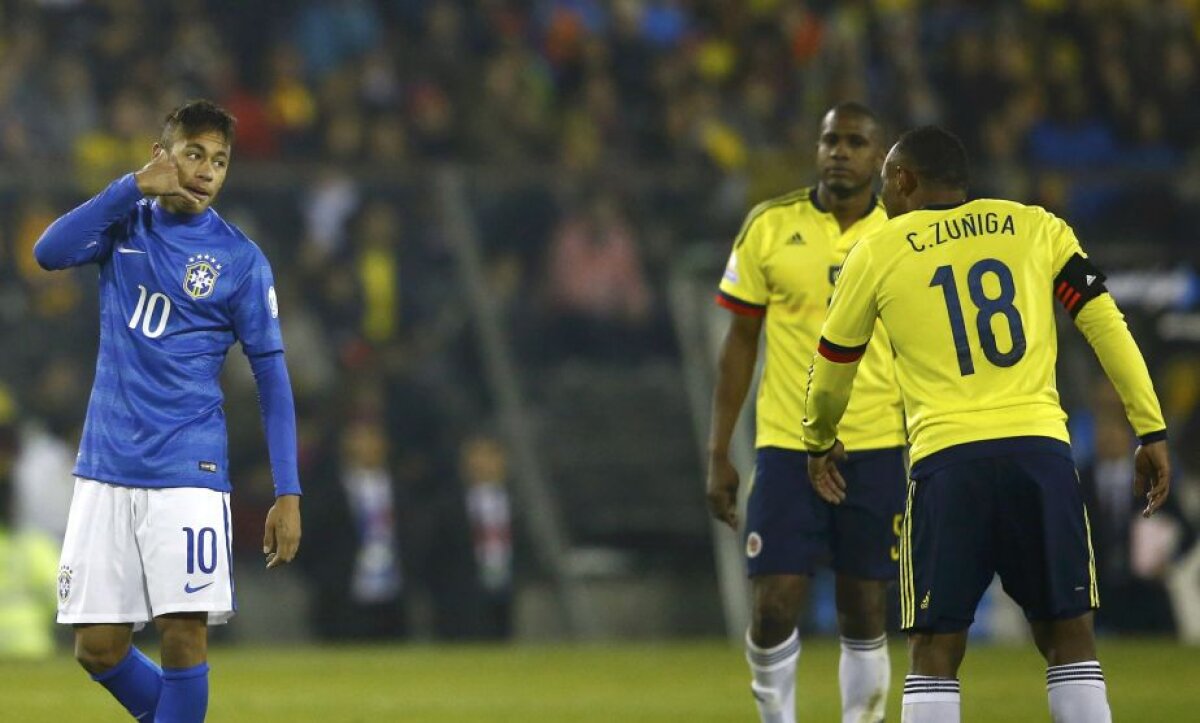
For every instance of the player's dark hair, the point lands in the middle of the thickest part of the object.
(854, 108)
(195, 117)
(936, 155)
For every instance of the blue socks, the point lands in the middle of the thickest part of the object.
(135, 682)
(184, 695)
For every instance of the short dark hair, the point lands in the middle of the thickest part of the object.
(195, 117)
(854, 108)
(936, 155)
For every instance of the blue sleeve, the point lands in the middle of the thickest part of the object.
(79, 236)
(255, 310)
(279, 419)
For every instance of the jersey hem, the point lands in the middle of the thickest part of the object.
(219, 486)
(799, 446)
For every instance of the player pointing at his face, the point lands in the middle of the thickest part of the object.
(148, 536)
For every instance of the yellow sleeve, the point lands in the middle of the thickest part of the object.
(743, 288)
(1064, 244)
(843, 342)
(1103, 325)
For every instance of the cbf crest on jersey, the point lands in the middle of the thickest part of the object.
(64, 582)
(200, 277)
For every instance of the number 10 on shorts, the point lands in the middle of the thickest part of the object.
(201, 550)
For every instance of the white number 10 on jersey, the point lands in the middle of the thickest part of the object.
(151, 308)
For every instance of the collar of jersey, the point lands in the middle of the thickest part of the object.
(942, 206)
(816, 202)
(179, 219)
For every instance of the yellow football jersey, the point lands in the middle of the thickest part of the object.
(784, 264)
(966, 293)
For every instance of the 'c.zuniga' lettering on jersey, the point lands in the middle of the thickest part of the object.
(784, 265)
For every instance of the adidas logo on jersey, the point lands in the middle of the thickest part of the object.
(1090, 278)
(796, 239)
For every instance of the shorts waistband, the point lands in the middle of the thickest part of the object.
(969, 451)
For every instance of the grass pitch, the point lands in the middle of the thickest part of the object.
(1148, 680)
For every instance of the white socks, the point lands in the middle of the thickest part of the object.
(1077, 693)
(864, 672)
(928, 699)
(774, 683)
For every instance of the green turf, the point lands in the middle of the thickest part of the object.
(694, 682)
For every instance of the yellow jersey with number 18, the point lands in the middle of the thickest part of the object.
(784, 264)
(967, 294)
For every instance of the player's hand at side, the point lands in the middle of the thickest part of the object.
(825, 477)
(160, 177)
(722, 489)
(282, 537)
(1152, 475)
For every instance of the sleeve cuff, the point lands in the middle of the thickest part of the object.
(840, 354)
(738, 306)
(822, 453)
(1159, 436)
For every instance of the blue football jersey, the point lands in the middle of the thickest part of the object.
(176, 292)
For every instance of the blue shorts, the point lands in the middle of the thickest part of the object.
(791, 531)
(1007, 506)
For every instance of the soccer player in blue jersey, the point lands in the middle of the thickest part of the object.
(148, 534)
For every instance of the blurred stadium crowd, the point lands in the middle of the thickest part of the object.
(602, 141)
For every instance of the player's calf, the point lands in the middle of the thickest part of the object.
(184, 639)
(107, 653)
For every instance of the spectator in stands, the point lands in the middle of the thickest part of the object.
(483, 466)
(356, 560)
(597, 289)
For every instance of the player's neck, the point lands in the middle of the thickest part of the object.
(847, 209)
(939, 199)
(171, 215)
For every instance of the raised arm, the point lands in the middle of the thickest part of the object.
(78, 237)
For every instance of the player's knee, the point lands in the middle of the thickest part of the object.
(936, 655)
(1062, 642)
(97, 654)
(774, 618)
(862, 608)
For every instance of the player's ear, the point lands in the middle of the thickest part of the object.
(906, 180)
(156, 149)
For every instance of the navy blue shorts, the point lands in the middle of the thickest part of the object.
(1008, 506)
(791, 531)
